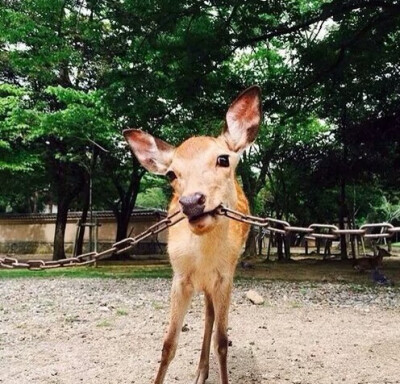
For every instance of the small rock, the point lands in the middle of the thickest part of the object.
(104, 309)
(246, 265)
(255, 297)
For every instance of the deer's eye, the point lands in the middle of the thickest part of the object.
(223, 161)
(171, 175)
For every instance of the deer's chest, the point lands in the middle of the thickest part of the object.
(203, 262)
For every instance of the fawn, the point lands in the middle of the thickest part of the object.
(205, 248)
(372, 262)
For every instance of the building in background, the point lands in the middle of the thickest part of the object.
(33, 233)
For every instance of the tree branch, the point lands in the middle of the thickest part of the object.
(327, 11)
(346, 45)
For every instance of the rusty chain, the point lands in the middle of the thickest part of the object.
(313, 231)
(316, 231)
(93, 257)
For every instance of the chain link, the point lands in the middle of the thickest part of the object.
(93, 257)
(313, 231)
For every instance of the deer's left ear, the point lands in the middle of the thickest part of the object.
(243, 119)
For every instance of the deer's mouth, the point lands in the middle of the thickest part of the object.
(198, 218)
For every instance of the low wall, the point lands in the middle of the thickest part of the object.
(34, 233)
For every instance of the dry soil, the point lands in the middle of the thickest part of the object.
(110, 331)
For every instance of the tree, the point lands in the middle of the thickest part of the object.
(74, 71)
(358, 47)
(52, 50)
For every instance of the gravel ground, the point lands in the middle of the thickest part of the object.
(110, 331)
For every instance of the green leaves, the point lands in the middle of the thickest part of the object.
(14, 156)
(328, 69)
(80, 115)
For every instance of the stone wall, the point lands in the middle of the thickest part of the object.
(33, 233)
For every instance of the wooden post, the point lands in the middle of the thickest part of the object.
(286, 243)
(269, 245)
(353, 238)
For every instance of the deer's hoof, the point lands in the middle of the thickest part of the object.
(201, 376)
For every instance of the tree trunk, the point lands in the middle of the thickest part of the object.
(123, 224)
(61, 223)
(287, 244)
(123, 209)
(279, 247)
(249, 189)
(87, 201)
(70, 180)
(251, 245)
(343, 211)
(123, 219)
(127, 201)
(342, 215)
(85, 210)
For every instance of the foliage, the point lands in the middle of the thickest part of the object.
(154, 193)
(15, 117)
(76, 72)
(152, 198)
(385, 211)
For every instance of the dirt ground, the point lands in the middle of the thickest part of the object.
(110, 331)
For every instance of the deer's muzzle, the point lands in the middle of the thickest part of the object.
(193, 205)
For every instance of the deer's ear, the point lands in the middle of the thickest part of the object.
(154, 154)
(243, 119)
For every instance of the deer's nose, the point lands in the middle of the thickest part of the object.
(193, 205)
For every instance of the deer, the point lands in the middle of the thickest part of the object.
(372, 262)
(204, 248)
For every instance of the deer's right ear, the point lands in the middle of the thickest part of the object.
(154, 154)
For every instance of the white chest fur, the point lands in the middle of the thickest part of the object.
(203, 260)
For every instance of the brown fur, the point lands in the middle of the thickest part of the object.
(204, 252)
(372, 262)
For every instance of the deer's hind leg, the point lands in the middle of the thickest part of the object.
(181, 294)
(202, 371)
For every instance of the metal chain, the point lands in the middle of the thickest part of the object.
(93, 257)
(313, 231)
(316, 231)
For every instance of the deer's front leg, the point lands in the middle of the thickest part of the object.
(202, 371)
(221, 300)
(181, 294)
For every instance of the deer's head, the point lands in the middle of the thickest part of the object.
(202, 169)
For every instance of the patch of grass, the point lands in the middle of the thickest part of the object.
(71, 319)
(157, 305)
(109, 271)
(315, 270)
(104, 323)
(295, 304)
(311, 270)
(356, 288)
(122, 312)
